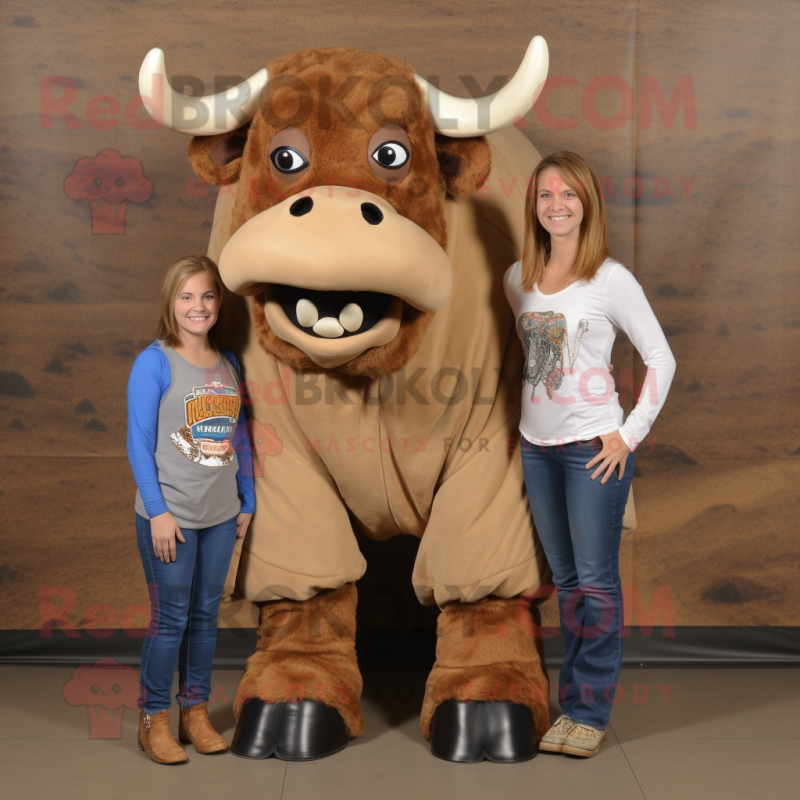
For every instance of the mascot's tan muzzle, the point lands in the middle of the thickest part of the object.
(335, 265)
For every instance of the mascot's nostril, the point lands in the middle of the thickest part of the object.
(371, 213)
(301, 207)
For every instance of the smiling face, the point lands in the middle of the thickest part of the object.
(197, 306)
(558, 206)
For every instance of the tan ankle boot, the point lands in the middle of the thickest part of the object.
(195, 728)
(157, 741)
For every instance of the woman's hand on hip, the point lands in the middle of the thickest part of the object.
(242, 521)
(614, 454)
(165, 530)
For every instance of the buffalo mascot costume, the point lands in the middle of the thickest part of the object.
(369, 218)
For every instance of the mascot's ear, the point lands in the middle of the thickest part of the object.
(218, 159)
(464, 163)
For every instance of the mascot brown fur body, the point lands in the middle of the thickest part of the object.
(411, 433)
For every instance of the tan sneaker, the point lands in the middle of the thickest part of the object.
(583, 740)
(553, 740)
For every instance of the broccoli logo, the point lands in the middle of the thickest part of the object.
(106, 689)
(109, 182)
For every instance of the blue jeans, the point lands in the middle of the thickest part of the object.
(184, 604)
(579, 522)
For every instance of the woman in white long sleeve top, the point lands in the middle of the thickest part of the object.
(570, 300)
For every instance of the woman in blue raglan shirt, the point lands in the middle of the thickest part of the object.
(190, 454)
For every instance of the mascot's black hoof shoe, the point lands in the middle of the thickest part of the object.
(500, 731)
(301, 731)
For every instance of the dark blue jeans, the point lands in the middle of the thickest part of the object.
(184, 604)
(579, 522)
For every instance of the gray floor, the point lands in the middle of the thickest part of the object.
(729, 733)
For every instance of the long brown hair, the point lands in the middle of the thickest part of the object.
(174, 279)
(593, 247)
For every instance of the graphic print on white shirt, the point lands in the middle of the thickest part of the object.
(211, 412)
(545, 340)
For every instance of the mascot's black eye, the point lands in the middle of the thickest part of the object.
(119, 183)
(97, 183)
(288, 160)
(391, 155)
(116, 688)
(94, 688)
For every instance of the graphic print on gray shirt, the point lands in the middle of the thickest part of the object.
(211, 411)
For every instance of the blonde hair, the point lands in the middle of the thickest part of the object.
(593, 247)
(176, 276)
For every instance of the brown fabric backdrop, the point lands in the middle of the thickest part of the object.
(711, 237)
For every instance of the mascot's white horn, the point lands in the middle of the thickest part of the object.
(452, 116)
(218, 113)
(460, 117)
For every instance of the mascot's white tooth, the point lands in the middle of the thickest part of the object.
(351, 317)
(328, 327)
(307, 313)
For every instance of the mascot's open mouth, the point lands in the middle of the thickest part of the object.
(332, 314)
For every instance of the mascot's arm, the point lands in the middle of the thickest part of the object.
(480, 538)
(300, 539)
